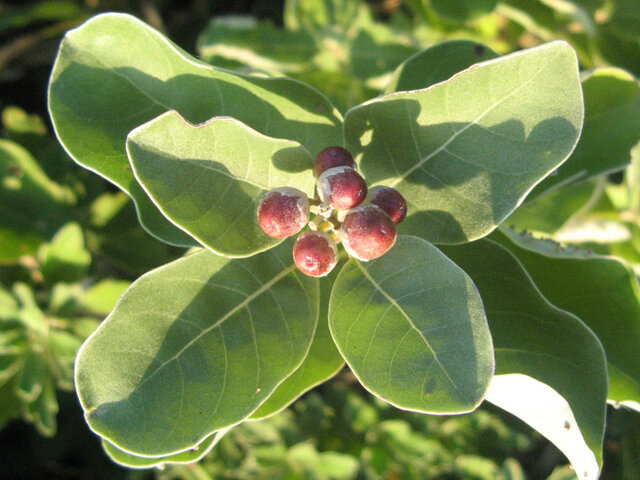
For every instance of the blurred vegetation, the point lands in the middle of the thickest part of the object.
(70, 243)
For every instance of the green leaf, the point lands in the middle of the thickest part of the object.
(611, 128)
(437, 64)
(65, 259)
(316, 15)
(102, 297)
(32, 376)
(323, 361)
(602, 291)
(63, 347)
(42, 412)
(209, 179)
(461, 10)
(115, 73)
(377, 50)
(550, 368)
(10, 404)
(465, 152)
(551, 212)
(412, 328)
(259, 45)
(193, 455)
(193, 347)
(25, 188)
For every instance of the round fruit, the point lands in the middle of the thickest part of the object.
(367, 232)
(283, 212)
(390, 200)
(342, 188)
(332, 157)
(315, 253)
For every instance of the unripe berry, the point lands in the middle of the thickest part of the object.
(390, 200)
(332, 157)
(315, 253)
(342, 187)
(283, 212)
(367, 232)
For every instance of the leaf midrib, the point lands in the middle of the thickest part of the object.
(389, 298)
(442, 147)
(263, 288)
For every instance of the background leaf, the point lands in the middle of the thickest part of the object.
(611, 128)
(437, 64)
(412, 328)
(132, 461)
(465, 152)
(115, 73)
(535, 340)
(219, 171)
(601, 291)
(194, 347)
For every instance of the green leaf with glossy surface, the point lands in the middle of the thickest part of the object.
(465, 152)
(602, 291)
(437, 64)
(546, 345)
(115, 73)
(611, 128)
(412, 328)
(209, 179)
(132, 461)
(323, 361)
(193, 347)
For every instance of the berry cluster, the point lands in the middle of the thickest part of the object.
(366, 231)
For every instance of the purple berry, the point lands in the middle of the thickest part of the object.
(283, 212)
(390, 200)
(367, 232)
(342, 188)
(315, 253)
(332, 157)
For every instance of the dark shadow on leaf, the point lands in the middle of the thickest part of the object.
(458, 168)
(207, 360)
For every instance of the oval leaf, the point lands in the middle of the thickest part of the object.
(533, 338)
(189, 456)
(611, 128)
(193, 347)
(322, 362)
(601, 291)
(115, 73)
(412, 328)
(465, 152)
(437, 64)
(209, 179)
